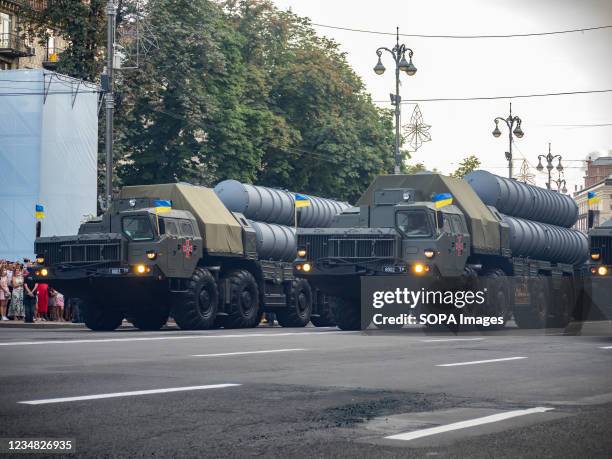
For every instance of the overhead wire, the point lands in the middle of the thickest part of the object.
(418, 35)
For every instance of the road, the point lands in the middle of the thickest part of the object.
(312, 392)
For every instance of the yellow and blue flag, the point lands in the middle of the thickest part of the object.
(162, 206)
(301, 201)
(40, 211)
(592, 198)
(442, 199)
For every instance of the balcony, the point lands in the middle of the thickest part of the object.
(51, 57)
(12, 45)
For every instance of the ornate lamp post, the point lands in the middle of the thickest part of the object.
(549, 166)
(399, 56)
(511, 121)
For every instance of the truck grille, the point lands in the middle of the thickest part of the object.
(351, 246)
(86, 251)
(604, 244)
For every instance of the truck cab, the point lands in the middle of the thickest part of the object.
(397, 235)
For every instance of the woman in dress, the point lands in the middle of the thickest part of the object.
(4, 292)
(17, 310)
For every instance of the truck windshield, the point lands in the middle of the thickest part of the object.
(138, 228)
(413, 223)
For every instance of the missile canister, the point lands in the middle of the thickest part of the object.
(276, 206)
(541, 241)
(521, 200)
(274, 242)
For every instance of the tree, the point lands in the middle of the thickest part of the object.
(466, 166)
(81, 24)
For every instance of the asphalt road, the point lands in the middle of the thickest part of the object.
(274, 392)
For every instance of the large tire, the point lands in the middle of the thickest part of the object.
(534, 316)
(325, 317)
(347, 313)
(499, 302)
(196, 308)
(150, 320)
(99, 318)
(244, 300)
(299, 305)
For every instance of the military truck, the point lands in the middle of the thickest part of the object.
(515, 235)
(599, 284)
(198, 262)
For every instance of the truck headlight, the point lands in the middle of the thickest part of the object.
(420, 269)
(429, 253)
(595, 256)
(142, 269)
(40, 259)
(306, 267)
(602, 270)
(44, 272)
(301, 252)
(151, 254)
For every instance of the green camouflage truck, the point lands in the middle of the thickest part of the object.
(515, 235)
(199, 263)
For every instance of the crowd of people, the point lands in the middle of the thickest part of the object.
(24, 299)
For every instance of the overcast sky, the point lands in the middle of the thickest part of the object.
(487, 67)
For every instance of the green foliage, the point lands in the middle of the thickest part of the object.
(81, 24)
(466, 166)
(237, 89)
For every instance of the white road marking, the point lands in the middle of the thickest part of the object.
(607, 347)
(479, 361)
(126, 394)
(247, 352)
(157, 338)
(441, 340)
(465, 424)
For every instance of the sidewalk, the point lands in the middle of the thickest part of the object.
(38, 324)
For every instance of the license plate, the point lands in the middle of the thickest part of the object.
(116, 270)
(394, 268)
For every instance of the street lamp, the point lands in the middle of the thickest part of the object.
(399, 56)
(549, 165)
(514, 128)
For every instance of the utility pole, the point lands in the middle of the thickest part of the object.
(109, 97)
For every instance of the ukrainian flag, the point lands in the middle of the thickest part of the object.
(162, 206)
(301, 201)
(592, 198)
(40, 211)
(442, 199)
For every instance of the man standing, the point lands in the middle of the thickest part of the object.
(29, 297)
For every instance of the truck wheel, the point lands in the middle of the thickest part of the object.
(325, 318)
(347, 313)
(299, 305)
(98, 318)
(151, 320)
(244, 300)
(498, 302)
(535, 315)
(196, 308)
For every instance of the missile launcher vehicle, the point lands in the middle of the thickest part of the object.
(514, 235)
(199, 261)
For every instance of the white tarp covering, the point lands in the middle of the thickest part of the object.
(48, 156)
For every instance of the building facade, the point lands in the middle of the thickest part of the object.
(597, 170)
(18, 51)
(602, 210)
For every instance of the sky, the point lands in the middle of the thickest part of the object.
(487, 67)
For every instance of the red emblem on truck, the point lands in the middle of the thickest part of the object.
(187, 248)
(459, 245)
